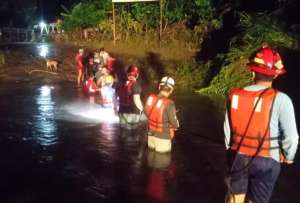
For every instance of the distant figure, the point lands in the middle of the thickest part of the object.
(91, 67)
(108, 93)
(97, 58)
(104, 56)
(260, 131)
(79, 66)
(90, 87)
(162, 119)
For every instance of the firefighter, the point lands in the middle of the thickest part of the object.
(79, 66)
(162, 120)
(260, 131)
(130, 104)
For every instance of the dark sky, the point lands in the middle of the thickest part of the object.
(24, 12)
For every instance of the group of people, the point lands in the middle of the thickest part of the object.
(260, 127)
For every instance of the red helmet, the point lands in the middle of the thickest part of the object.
(133, 70)
(267, 62)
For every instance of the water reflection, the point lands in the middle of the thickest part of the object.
(162, 172)
(108, 141)
(44, 121)
(43, 50)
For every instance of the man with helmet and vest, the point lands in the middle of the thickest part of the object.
(162, 120)
(130, 104)
(260, 131)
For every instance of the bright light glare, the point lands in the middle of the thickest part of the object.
(42, 24)
(86, 112)
(43, 50)
(45, 90)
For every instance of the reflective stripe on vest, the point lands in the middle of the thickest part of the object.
(155, 108)
(253, 129)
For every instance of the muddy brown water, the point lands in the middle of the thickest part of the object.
(58, 147)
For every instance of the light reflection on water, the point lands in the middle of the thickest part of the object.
(44, 121)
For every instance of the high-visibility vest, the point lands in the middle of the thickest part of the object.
(250, 113)
(155, 108)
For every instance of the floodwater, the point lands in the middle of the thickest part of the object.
(57, 146)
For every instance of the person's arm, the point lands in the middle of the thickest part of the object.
(287, 123)
(227, 132)
(171, 112)
(137, 101)
(136, 91)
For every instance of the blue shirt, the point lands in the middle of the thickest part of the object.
(282, 125)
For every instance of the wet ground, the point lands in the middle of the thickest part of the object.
(54, 150)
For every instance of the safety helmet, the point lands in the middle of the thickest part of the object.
(167, 81)
(267, 62)
(81, 50)
(133, 70)
(109, 79)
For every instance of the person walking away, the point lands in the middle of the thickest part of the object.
(162, 119)
(79, 66)
(260, 131)
(130, 104)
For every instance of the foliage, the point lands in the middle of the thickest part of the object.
(2, 59)
(190, 75)
(255, 31)
(82, 15)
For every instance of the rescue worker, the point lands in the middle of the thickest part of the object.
(162, 120)
(260, 131)
(79, 66)
(130, 104)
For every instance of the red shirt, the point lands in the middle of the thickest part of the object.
(79, 61)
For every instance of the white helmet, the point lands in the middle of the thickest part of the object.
(168, 81)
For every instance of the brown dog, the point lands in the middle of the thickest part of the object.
(51, 65)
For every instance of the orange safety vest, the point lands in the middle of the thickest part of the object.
(250, 114)
(155, 108)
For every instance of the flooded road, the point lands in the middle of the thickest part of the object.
(51, 154)
(57, 146)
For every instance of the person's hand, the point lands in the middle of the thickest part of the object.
(285, 161)
(288, 162)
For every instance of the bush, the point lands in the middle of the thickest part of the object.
(2, 59)
(82, 15)
(190, 75)
(255, 31)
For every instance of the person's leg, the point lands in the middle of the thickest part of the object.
(238, 179)
(79, 76)
(264, 174)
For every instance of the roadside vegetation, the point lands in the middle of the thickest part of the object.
(185, 27)
(255, 30)
(2, 58)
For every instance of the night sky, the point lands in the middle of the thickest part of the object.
(22, 13)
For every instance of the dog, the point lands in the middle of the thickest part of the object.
(52, 65)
